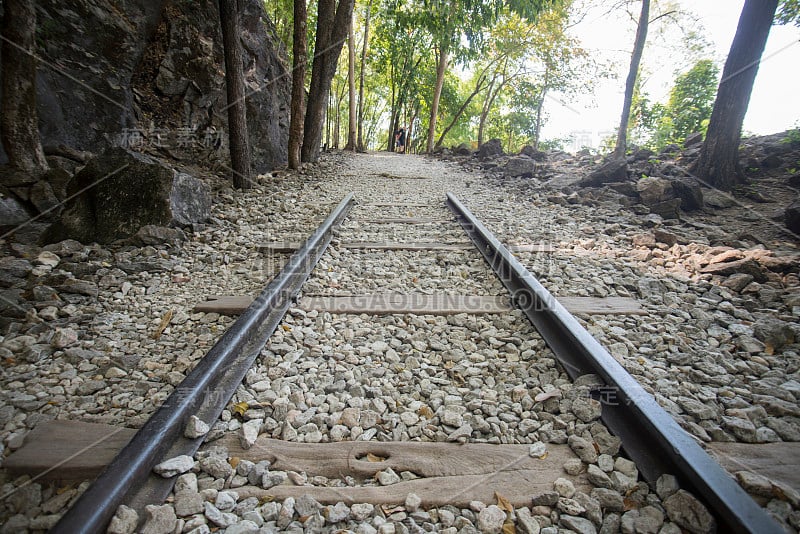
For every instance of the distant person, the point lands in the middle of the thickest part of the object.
(401, 141)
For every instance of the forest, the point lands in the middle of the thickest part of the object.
(450, 72)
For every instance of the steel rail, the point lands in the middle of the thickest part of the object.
(650, 436)
(206, 390)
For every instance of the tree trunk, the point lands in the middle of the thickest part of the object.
(298, 83)
(332, 26)
(539, 106)
(441, 67)
(719, 158)
(234, 82)
(636, 58)
(360, 141)
(478, 89)
(19, 125)
(351, 88)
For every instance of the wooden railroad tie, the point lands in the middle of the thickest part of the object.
(288, 247)
(449, 473)
(422, 304)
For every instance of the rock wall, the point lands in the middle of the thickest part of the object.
(149, 74)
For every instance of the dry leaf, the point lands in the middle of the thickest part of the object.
(508, 527)
(163, 325)
(286, 327)
(63, 489)
(234, 461)
(552, 394)
(389, 509)
(425, 412)
(503, 503)
(265, 499)
(240, 408)
(596, 447)
(769, 349)
(374, 458)
(630, 504)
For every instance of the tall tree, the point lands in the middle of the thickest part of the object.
(454, 22)
(333, 23)
(299, 41)
(362, 73)
(718, 162)
(630, 83)
(234, 82)
(19, 129)
(351, 90)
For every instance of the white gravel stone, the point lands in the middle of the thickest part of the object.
(174, 466)
(491, 519)
(195, 428)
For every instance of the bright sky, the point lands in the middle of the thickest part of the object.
(774, 104)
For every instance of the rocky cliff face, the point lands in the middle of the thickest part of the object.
(150, 74)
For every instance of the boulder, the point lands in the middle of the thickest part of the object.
(462, 150)
(792, 217)
(653, 190)
(669, 209)
(613, 171)
(121, 191)
(490, 149)
(689, 191)
(519, 166)
(163, 66)
(12, 212)
(693, 139)
(533, 153)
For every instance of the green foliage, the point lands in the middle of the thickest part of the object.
(687, 111)
(792, 136)
(788, 12)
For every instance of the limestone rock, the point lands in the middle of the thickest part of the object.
(490, 149)
(120, 191)
(683, 509)
(613, 171)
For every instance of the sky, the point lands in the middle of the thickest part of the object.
(774, 103)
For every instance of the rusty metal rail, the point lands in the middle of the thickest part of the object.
(204, 392)
(650, 436)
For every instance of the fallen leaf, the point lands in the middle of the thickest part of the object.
(286, 327)
(240, 408)
(63, 489)
(234, 461)
(630, 504)
(163, 325)
(503, 503)
(374, 458)
(425, 412)
(389, 509)
(508, 527)
(769, 349)
(552, 394)
(265, 499)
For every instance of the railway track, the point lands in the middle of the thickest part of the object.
(436, 387)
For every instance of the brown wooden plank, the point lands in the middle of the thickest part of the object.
(779, 462)
(402, 205)
(449, 473)
(388, 245)
(418, 303)
(516, 486)
(602, 305)
(67, 450)
(283, 247)
(405, 220)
